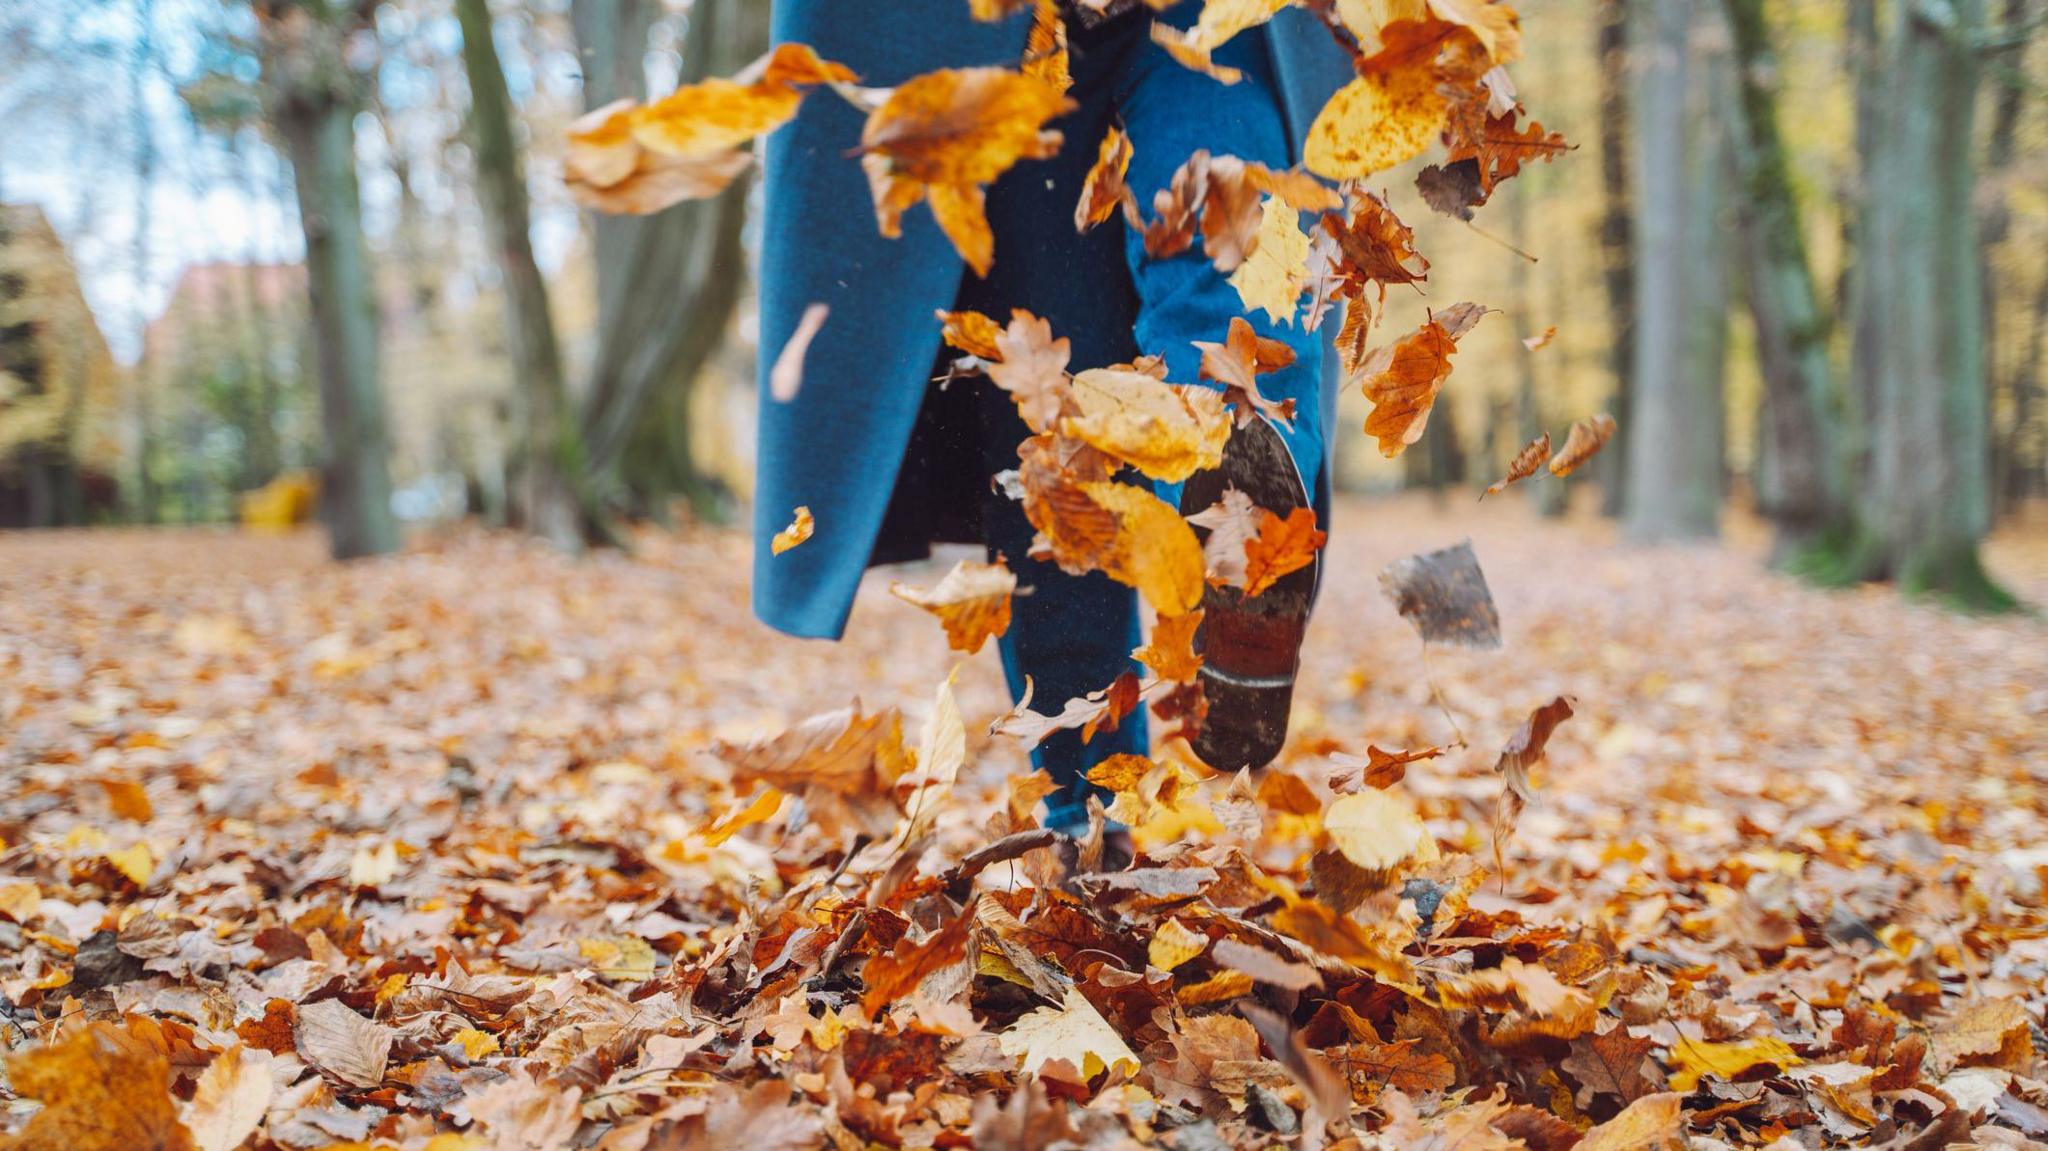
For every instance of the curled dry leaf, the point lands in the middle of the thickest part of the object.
(801, 525)
(1540, 340)
(1104, 190)
(1223, 194)
(1220, 20)
(1099, 710)
(836, 750)
(1231, 522)
(1045, 47)
(1378, 769)
(1403, 379)
(1032, 366)
(972, 601)
(1587, 437)
(1525, 464)
(1444, 594)
(971, 332)
(943, 135)
(629, 158)
(894, 975)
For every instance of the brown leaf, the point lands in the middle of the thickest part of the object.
(972, 601)
(892, 976)
(348, 1048)
(1444, 594)
(1381, 769)
(1587, 437)
(1524, 749)
(1280, 547)
(1612, 1063)
(1237, 363)
(1403, 379)
(1264, 966)
(1170, 650)
(945, 134)
(1103, 191)
(1524, 465)
(1032, 366)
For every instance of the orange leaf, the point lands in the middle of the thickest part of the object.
(1237, 363)
(1587, 437)
(1170, 651)
(1402, 380)
(1281, 547)
(972, 601)
(1523, 465)
(1104, 187)
(102, 1089)
(801, 525)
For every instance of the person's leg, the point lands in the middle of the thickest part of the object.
(1069, 634)
(1250, 645)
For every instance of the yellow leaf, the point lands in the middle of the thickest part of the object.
(1073, 1033)
(1374, 123)
(1154, 551)
(940, 755)
(1726, 1060)
(1174, 944)
(103, 1088)
(626, 958)
(972, 601)
(801, 525)
(137, 863)
(1166, 432)
(479, 1044)
(1275, 274)
(764, 806)
(1170, 650)
(373, 867)
(1374, 829)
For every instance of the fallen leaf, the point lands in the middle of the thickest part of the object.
(102, 1089)
(345, 1046)
(1074, 1034)
(1697, 1059)
(1648, 1124)
(230, 1098)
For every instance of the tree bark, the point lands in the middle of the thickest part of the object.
(1617, 249)
(1799, 477)
(667, 284)
(552, 444)
(312, 102)
(1927, 504)
(1674, 465)
(146, 501)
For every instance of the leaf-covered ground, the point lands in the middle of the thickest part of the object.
(439, 852)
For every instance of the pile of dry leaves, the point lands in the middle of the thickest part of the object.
(396, 856)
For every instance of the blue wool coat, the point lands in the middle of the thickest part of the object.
(837, 447)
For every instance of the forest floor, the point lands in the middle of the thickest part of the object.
(435, 852)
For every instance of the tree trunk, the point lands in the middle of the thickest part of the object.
(312, 100)
(1928, 501)
(146, 501)
(667, 284)
(552, 448)
(1674, 463)
(1798, 476)
(1856, 293)
(1996, 225)
(1617, 248)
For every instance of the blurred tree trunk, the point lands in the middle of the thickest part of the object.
(1863, 50)
(667, 283)
(1674, 458)
(147, 499)
(1927, 504)
(1617, 250)
(2008, 469)
(1798, 475)
(1550, 497)
(552, 448)
(312, 100)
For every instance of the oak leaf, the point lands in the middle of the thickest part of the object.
(972, 601)
(1230, 522)
(1282, 546)
(1170, 650)
(1238, 362)
(1611, 1063)
(1402, 380)
(1032, 366)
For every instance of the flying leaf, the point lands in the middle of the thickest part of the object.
(1391, 111)
(1587, 437)
(1525, 748)
(940, 754)
(1166, 432)
(1237, 363)
(1540, 340)
(1231, 522)
(1098, 710)
(1282, 546)
(836, 750)
(1074, 531)
(1444, 595)
(1273, 277)
(639, 159)
(1170, 651)
(1220, 20)
(1045, 47)
(1525, 464)
(971, 332)
(1032, 366)
(972, 601)
(801, 525)
(943, 135)
(1380, 769)
(1104, 189)
(1403, 379)
(1224, 195)
(1154, 551)
(1074, 1034)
